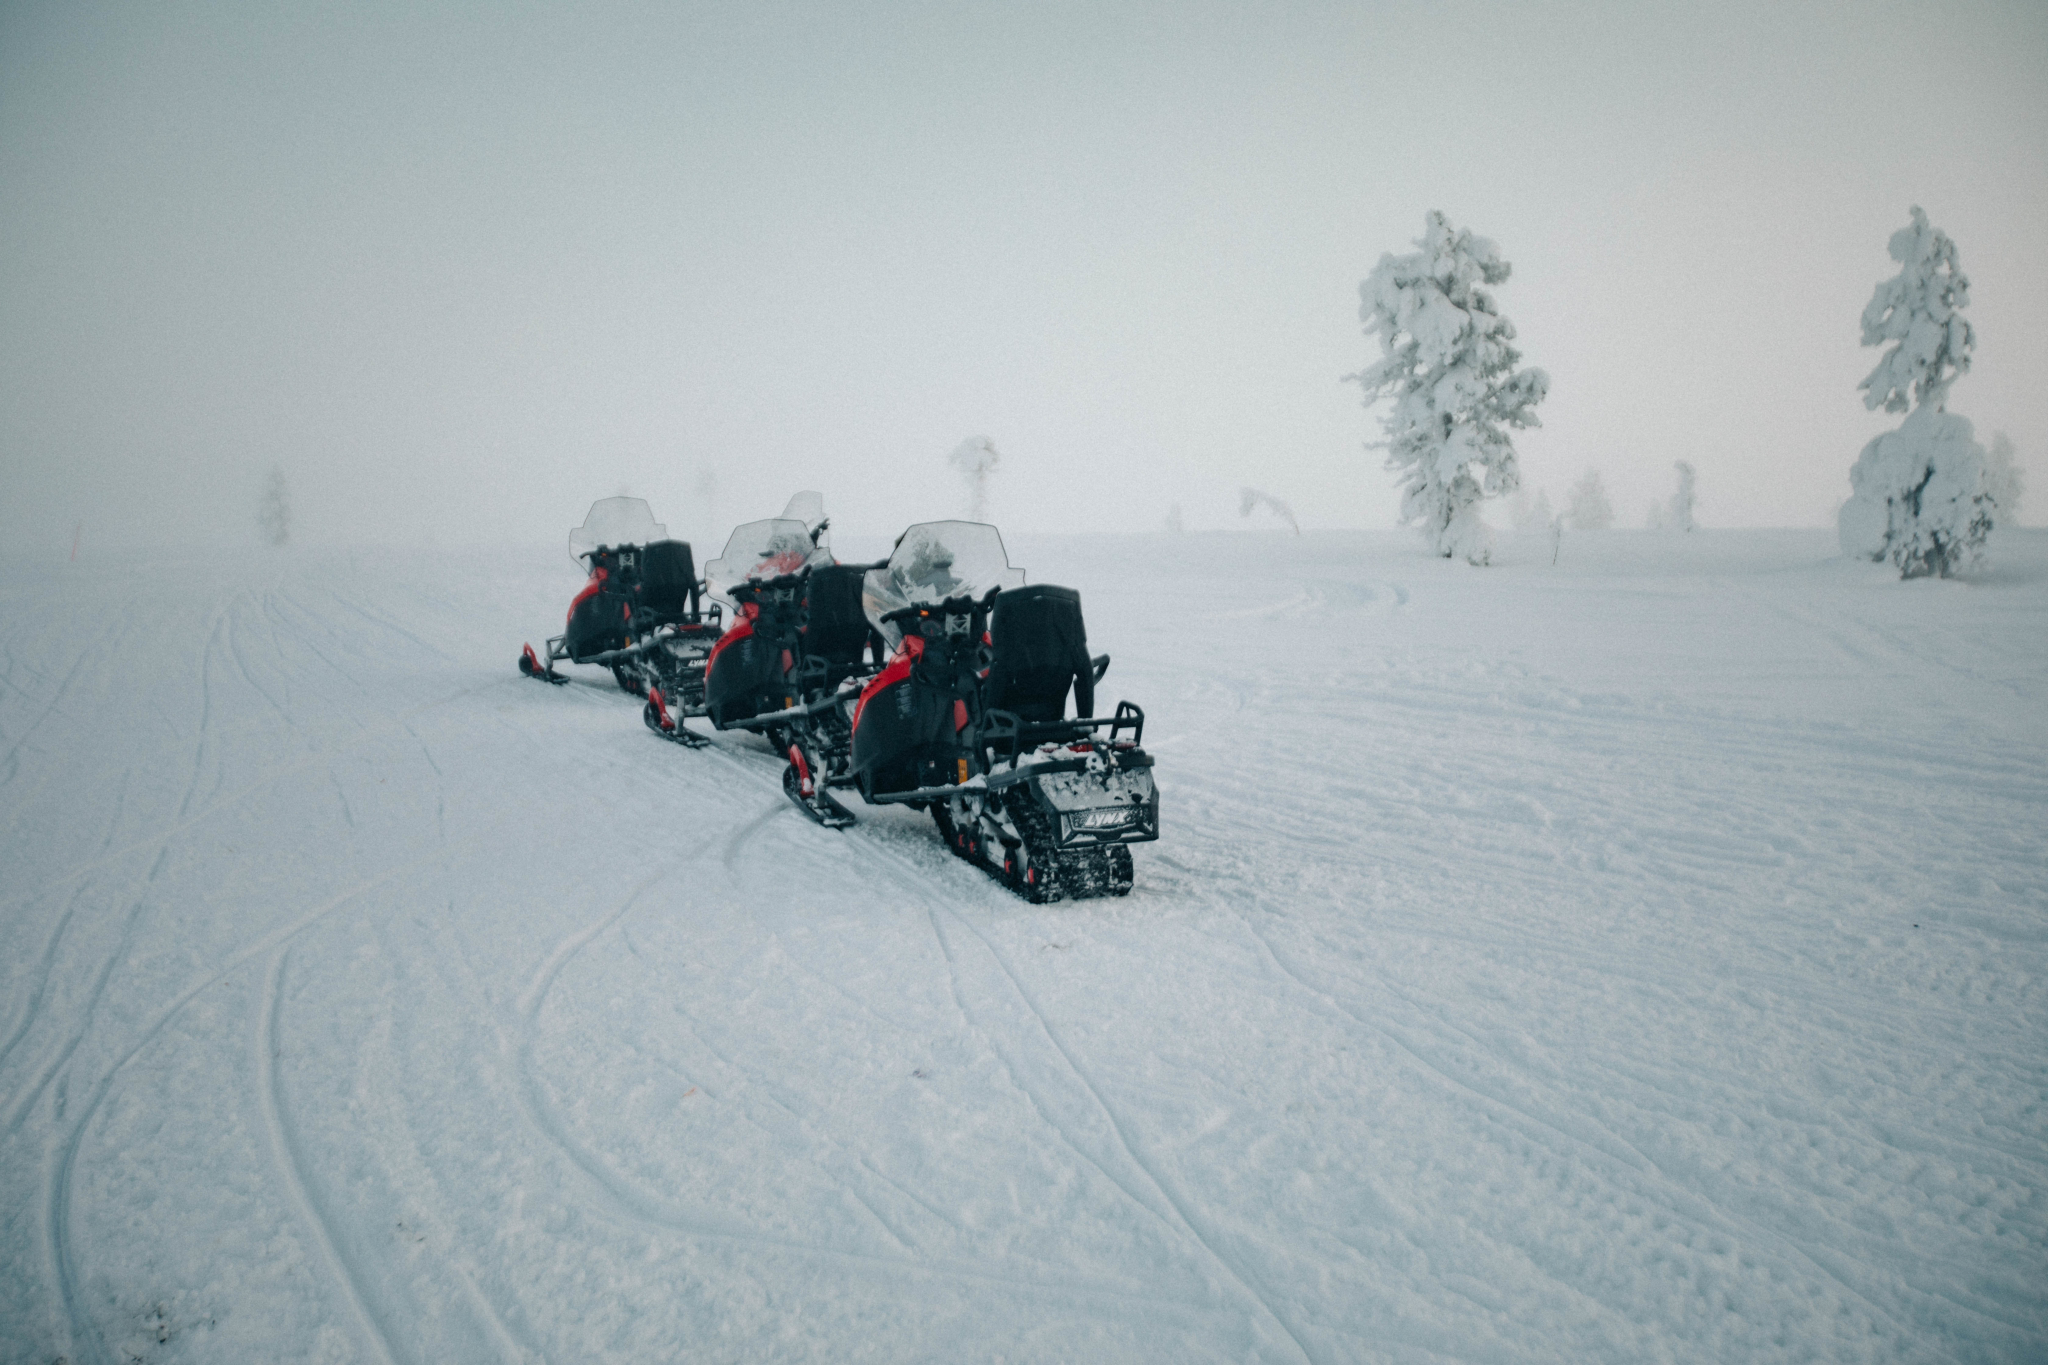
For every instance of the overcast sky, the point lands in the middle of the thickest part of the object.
(460, 269)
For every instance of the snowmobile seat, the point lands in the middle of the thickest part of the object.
(668, 579)
(1040, 649)
(835, 628)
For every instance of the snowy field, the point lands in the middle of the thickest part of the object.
(1639, 959)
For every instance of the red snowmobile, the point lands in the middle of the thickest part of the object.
(752, 668)
(969, 720)
(640, 612)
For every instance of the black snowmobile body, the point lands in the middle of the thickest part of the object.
(829, 653)
(969, 720)
(751, 669)
(641, 615)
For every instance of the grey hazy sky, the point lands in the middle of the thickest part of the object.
(472, 266)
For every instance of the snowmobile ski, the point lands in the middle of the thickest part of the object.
(668, 726)
(531, 666)
(808, 796)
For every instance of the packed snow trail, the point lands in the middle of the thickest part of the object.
(1637, 959)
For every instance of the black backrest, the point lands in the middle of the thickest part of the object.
(834, 626)
(667, 577)
(1040, 649)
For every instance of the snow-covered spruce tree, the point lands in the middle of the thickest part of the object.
(1589, 509)
(1530, 514)
(1448, 366)
(974, 459)
(274, 508)
(1675, 513)
(1682, 500)
(1917, 495)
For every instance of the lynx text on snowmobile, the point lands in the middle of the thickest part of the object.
(641, 611)
(969, 720)
(749, 670)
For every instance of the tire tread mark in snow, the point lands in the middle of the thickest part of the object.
(1175, 1215)
(11, 762)
(639, 1206)
(57, 1222)
(18, 1110)
(385, 624)
(440, 785)
(179, 826)
(629, 1199)
(1675, 1191)
(242, 666)
(1183, 1211)
(289, 1155)
(32, 1004)
(446, 947)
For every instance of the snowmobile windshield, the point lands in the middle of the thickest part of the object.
(807, 507)
(762, 549)
(615, 521)
(933, 561)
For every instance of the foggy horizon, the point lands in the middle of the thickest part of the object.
(477, 267)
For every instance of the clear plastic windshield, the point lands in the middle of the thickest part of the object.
(935, 560)
(807, 507)
(616, 521)
(762, 549)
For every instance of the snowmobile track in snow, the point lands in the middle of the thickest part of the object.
(1638, 959)
(289, 1155)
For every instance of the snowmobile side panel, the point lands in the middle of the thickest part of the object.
(741, 676)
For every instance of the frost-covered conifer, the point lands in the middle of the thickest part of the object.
(1682, 500)
(1448, 366)
(1918, 495)
(1589, 509)
(274, 508)
(1675, 514)
(974, 459)
(1531, 514)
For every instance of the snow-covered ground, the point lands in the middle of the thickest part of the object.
(1636, 959)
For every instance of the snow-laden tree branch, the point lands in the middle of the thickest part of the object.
(1249, 500)
(1918, 495)
(1919, 311)
(1448, 365)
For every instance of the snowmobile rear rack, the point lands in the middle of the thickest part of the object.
(1006, 735)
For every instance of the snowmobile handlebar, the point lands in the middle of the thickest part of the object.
(952, 606)
(754, 587)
